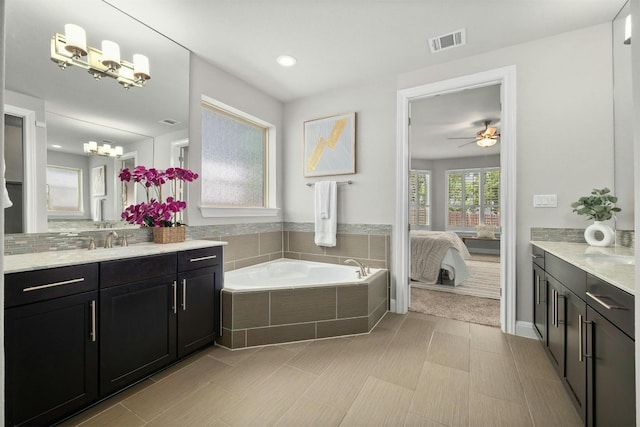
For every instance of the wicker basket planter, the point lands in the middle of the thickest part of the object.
(169, 234)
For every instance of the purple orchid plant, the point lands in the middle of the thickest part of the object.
(156, 212)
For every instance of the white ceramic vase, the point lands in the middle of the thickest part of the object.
(607, 233)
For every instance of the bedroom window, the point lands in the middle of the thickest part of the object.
(420, 199)
(473, 198)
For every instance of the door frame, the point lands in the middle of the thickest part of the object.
(506, 77)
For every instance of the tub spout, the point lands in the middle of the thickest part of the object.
(363, 271)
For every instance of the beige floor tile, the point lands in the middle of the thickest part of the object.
(454, 327)
(231, 357)
(531, 359)
(160, 396)
(549, 403)
(116, 416)
(392, 321)
(379, 403)
(305, 412)
(270, 400)
(495, 375)
(254, 369)
(449, 350)
(415, 420)
(416, 315)
(178, 366)
(295, 347)
(487, 411)
(318, 355)
(200, 409)
(489, 338)
(442, 395)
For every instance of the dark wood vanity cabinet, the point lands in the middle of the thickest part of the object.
(199, 286)
(76, 334)
(51, 346)
(589, 341)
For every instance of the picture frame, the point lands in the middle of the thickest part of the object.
(98, 180)
(330, 146)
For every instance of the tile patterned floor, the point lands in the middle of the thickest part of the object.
(412, 370)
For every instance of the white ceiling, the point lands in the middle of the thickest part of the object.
(344, 42)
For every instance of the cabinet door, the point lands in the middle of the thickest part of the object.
(556, 330)
(576, 365)
(197, 309)
(51, 359)
(137, 329)
(540, 303)
(610, 374)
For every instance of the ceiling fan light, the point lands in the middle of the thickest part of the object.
(486, 142)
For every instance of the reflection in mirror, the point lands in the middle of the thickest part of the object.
(69, 108)
(623, 123)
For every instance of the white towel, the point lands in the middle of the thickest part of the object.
(325, 213)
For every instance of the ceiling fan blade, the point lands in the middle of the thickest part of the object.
(467, 143)
(463, 137)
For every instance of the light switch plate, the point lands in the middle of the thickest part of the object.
(545, 201)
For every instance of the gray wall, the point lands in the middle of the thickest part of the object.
(438, 170)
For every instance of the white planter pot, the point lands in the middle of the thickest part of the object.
(607, 233)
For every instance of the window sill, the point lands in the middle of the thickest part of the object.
(209, 212)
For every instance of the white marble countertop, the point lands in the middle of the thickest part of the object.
(594, 261)
(40, 260)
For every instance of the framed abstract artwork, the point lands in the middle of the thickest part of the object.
(330, 146)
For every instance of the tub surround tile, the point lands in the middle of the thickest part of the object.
(251, 310)
(302, 305)
(239, 338)
(377, 314)
(352, 301)
(378, 290)
(270, 242)
(243, 246)
(335, 328)
(304, 243)
(319, 258)
(378, 247)
(275, 334)
(350, 245)
(252, 261)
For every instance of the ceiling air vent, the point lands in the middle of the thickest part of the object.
(169, 122)
(447, 41)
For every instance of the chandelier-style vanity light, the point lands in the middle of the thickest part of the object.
(107, 150)
(71, 48)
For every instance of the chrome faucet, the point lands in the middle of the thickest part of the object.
(108, 242)
(363, 271)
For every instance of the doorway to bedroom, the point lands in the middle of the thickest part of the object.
(454, 204)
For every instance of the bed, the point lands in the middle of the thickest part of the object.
(436, 253)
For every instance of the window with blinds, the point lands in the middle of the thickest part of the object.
(420, 199)
(473, 198)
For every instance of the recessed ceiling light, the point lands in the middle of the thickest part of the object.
(286, 60)
(56, 146)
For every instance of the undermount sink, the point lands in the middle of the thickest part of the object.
(612, 259)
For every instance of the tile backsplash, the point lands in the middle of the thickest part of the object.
(576, 235)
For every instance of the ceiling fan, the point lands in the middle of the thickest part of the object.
(484, 138)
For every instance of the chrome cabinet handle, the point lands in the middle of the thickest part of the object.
(175, 297)
(580, 358)
(588, 322)
(554, 307)
(184, 294)
(51, 285)
(203, 258)
(534, 256)
(604, 304)
(93, 321)
(537, 289)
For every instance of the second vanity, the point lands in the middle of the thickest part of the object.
(81, 325)
(583, 303)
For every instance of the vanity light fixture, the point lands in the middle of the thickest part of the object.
(286, 60)
(627, 30)
(71, 48)
(106, 150)
(486, 142)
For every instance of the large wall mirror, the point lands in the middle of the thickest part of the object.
(623, 123)
(52, 112)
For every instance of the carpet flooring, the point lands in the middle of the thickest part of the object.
(485, 311)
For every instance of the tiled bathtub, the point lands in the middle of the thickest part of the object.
(259, 309)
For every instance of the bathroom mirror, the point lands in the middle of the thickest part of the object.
(623, 124)
(71, 107)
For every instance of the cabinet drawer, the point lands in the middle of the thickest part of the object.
(199, 258)
(130, 270)
(614, 304)
(39, 285)
(537, 255)
(569, 275)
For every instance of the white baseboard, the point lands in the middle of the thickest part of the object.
(525, 329)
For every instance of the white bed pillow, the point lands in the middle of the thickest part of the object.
(485, 231)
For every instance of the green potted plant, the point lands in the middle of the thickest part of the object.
(599, 206)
